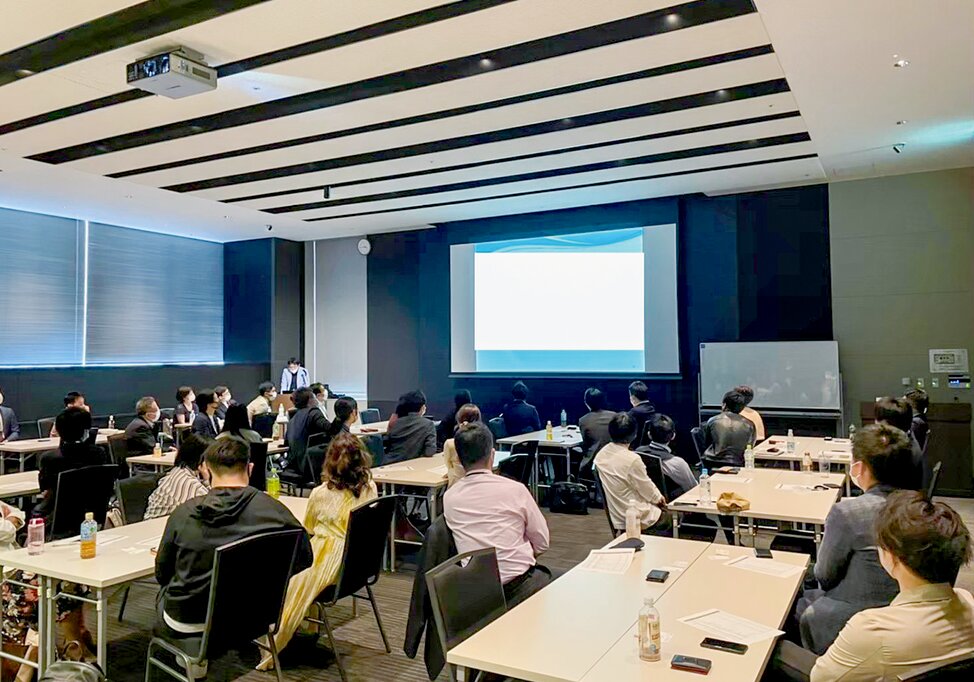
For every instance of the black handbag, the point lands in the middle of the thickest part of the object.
(568, 497)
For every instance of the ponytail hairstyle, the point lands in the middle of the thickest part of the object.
(467, 414)
(344, 408)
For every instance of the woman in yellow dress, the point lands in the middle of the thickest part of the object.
(347, 483)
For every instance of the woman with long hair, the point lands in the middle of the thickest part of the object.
(467, 414)
(346, 483)
(346, 414)
(237, 424)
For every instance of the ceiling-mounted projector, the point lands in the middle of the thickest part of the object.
(177, 73)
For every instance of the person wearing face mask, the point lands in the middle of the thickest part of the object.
(186, 409)
(266, 394)
(74, 452)
(9, 428)
(205, 423)
(226, 400)
(848, 568)
(140, 434)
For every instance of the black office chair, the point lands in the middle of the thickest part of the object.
(934, 477)
(118, 452)
(264, 424)
(79, 491)
(166, 413)
(699, 442)
(44, 427)
(370, 416)
(258, 473)
(299, 479)
(465, 598)
(237, 613)
(520, 465)
(133, 498)
(605, 503)
(496, 426)
(376, 447)
(365, 543)
(654, 469)
(958, 671)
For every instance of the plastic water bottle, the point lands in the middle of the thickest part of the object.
(89, 536)
(825, 462)
(167, 427)
(280, 424)
(748, 457)
(633, 525)
(549, 432)
(111, 421)
(650, 639)
(35, 536)
(807, 462)
(852, 431)
(564, 419)
(790, 444)
(704, 487)
(157, 448)
(274, 483)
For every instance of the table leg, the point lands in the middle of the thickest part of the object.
(818, 538)
(676, 525)
(101, 605)
(737, 530)
(534, 481)
(23, 462)
(49, 635)
(41, 626)
(848, 479)
(432, 502)
(751, 532)
(392, 533)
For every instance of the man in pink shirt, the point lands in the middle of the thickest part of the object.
(486, 510)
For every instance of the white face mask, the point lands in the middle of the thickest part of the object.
(152, 417)
(886, 561)
(854, 477)
(227, 398)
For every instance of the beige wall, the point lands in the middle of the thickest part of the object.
(902, 279)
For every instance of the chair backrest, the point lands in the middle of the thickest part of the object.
(605, 503)
(699, 441)
(167, 413)
(258, 457)
(934, 477)
(133, 495)
(496, 426)
(520, 465)
(958, 671)
(241, 608)
(370, 415)
(366, 541)
(264, 424)
(118, 449)
(87, 489)
(318, 439)
(466, 595)
(654, 468)
(44, 427)
(376, 447)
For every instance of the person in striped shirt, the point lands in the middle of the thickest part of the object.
(187, 479)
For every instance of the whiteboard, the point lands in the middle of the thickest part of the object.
(796, 375)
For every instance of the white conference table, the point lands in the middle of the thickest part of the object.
(31, 446)
(565, 632)
(22, 484)
(168, 459)
(839, 451)
(562, 438)
(373, 429)
(124, 554)
(775, 495)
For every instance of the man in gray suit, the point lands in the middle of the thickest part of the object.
(848, 568)
(9, 428)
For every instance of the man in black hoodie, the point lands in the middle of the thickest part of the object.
(232, 510)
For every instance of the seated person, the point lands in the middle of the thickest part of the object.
(266, 394)
(447, 425)
(237, 424)
(186, 409)
(73, 452)
(205, 422)
(677, 472)
(72, 399)
(346, 414)
(231, 510)
(923, 545)
(485, 510)
(9, 427)
(141, 433)
(307, 421)
(920, 402)
(347, 483)
(848, 567)
(519, 416)
(467, 414)
(897, 413)
(641, 410)
(594, 426)
(728, 434)
(225, 398)
(751, 415)
(321, 396)
(412, 435)
(187, 478)
(624, 478)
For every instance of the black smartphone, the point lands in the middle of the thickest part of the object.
(630, 543)
(657, 576)
(763, 553)
(724, 645)
(700, 666)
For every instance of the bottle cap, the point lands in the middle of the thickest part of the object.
(649, 601)
(89, 516)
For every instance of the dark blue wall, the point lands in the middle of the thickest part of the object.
(248, 295)
(751, 267)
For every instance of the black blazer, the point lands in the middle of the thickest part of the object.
(11, 429)
(520, 418)
(305, 422)
(641, 413)
(202, 426)
(140, 437)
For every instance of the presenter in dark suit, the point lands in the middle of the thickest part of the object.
(642, 410)
(520, 417)
(205, 422)
(140, 434)
(9, 428)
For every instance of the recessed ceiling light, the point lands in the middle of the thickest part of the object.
(902, 122)
(486, 63)
(672, 18)
(23, 73)
(900, 63)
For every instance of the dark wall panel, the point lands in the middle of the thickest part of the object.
(287, 328)
(248, 289)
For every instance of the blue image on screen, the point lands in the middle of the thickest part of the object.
(628, 240)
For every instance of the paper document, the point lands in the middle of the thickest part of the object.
(733, 628)
(796, 487)
(614, 561)
(778, 569)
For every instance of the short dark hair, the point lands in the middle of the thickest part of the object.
(661, 428)
(73, 424)
(519, 391)
(622, 428)
(895, 412)
(734, 402)
(265, 387)
(317, 388)
(293, 361)
(191, 449)
(919, 400)
(182, 392)
(473, 441)
(302, 398)
(928, 537)
(887, 451)
(461, 397)
(143, 406)
(411, 402)
(205, 397)
(639, 390)
(594, 399)
(220, 390)
(746, 392)
(71, 396)
(227, 454)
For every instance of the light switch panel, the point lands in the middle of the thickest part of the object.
(919, 382)
(934, 382)
(905, 381)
